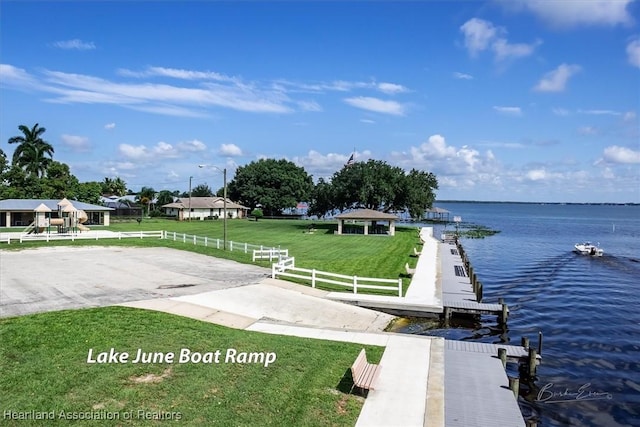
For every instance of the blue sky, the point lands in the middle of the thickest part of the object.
(522, 100)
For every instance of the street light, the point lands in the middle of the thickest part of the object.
(224, 201)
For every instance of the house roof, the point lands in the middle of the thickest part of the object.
(203, 203)
(31, 205)
(368, 214)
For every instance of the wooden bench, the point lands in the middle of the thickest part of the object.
(410, 271)
(364, 373)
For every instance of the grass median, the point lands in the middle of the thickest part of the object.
(43, 360)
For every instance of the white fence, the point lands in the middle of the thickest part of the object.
(217, 243)
(96, 235)
(269, 254)
(286, 267)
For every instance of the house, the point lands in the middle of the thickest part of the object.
(24, 212)
(204, 207)
(122, 205)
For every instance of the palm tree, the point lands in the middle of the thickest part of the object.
(115, 187)
(33, 154)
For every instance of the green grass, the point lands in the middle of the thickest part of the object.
(365, 256)
(43, 360)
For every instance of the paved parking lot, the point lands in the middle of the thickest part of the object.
(56, 278)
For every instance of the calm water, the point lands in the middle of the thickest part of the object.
(587, 308)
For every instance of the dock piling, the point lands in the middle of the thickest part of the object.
(540, 343)
(502, 354)
(525, 342)
(532, 362)
(514, 385)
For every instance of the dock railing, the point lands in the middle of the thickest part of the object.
(286, 267)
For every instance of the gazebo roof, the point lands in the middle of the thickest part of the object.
(367, 214)
(42, 208)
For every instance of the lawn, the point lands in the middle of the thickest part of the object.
(43, 360)
(376, 256)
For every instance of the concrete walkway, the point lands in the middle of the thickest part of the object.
(410, 388)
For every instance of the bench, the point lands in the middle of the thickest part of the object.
(364, 373)
(410, 271)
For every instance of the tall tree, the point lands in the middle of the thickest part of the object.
(145, 197)
(373, 185)
(273, 184)
(202, 190)
(164, 197)
(322, 199)
(33, 154)
(114, 186)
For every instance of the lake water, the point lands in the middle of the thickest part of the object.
(588, 309)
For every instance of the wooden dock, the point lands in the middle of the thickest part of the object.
(443, 283)
(461, 289)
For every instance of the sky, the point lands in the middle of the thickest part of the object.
(519, 100)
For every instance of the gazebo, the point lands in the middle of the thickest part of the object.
(370, 218)
(437, 214)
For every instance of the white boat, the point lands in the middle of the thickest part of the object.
(587, 248)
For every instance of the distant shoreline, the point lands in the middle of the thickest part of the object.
(540, 203)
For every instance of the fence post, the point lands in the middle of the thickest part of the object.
(119, 235)
(205, 241)
(231, 245)
(355, 284)
(399, 287)
(273, 271)
(184, 238)
(245, 248)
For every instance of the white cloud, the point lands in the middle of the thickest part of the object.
(110, 126)
(629, 116)
(481, 35)
(462, 76)
(617, 154)
(510, 111)
(162, 150)
(368, 121)
(192, 146)
(556, 80)
(537, 175)
(324, 165)
(600, 112)
(478, 34)
(178, 74)
(309, 106)
(391, 88)
(571, 12)
(633, 52)
(560, 112)
(377, 105)
(75, 44)
(504, 50)
(230, 150)
(76, 143)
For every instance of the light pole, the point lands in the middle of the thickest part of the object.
(224, 201)
(190, 178)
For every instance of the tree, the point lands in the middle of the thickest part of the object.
(164, 198)
(89, 192)
(202, 190)
(145, 197)
(257, 213)
(59, 182)
(274, 184)
(33, 154)
(322, 199)
(373, 185)
(419, 195)
(114, 187)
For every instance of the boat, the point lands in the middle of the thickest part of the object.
(587, 248)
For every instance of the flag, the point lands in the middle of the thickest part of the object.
(350, 161)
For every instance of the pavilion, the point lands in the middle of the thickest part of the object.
(370, 219)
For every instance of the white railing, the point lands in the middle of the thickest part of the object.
(217, 243)
(269, 254)
(286, 267)
(97, 235)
